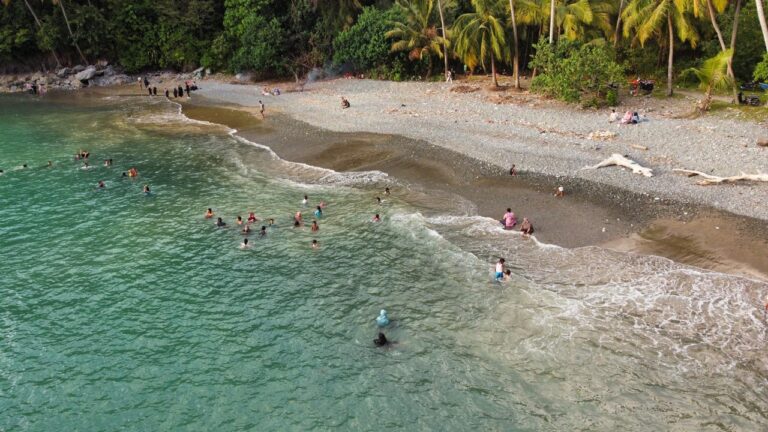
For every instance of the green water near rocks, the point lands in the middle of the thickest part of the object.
(125, 311)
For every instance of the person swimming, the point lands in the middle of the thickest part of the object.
(246, 229)
(209, 214)
(220, 223)
(378, 200)
(146, 189)
(101, 184)
(25, 166)
(318, 212)
(50, 164)
(239, 220)
(381, 340)
(315, 244)
(244, 244)
(263, 231)
(252, 217)
(382, 320)
(377, 218)
(500, 269)
(315, 227)
(271, 222)
(296, 224)
(507, 275)
(322, 204)
(386, 191)
(305, 200)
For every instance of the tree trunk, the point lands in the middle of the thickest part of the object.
(618, 25)
(516, 61)
(551, 21)
(734, 32)
(445, 38)
(66, 21)
(671, 53)
(39, 25)
(493, 71)
(713, 20)
(763, 26)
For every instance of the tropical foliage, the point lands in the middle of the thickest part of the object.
(395, 39)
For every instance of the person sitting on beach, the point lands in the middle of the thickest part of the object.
(526, 227)
(500, 269)
(252, 218)
(265, 91)
(377, 218)
(344, 103)
(263, 231)
(381, 340)
(627, 119)
(509, 219)
(635, 118)
(239, 220)
(318, 212)
(208, 213)
(613, 117)
(315, 227)
(559, 192)
(315, 244)
(220, 223)
(244, 244)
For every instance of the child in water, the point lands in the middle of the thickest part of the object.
(315, 227)
(377, 218)
(315, 244)
(209, 214)
(500, 269)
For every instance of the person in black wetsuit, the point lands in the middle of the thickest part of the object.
(154, 91)
(381, 340)
(175, 92)
(167, 96)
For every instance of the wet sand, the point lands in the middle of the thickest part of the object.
(589, 214)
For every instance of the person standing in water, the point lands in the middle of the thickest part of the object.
(377, 218)
(386, 191)
(263, 231)
(220, 223)
(209, 214)
(315, 227)
(526, 227)
(252, 217)
(101, 184)
(316, 245)
(244, 244)
(318, 212)
(500, 269)
(305, 201)
(146, 189)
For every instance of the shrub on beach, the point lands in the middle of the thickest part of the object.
(573, 72)
(761, 70)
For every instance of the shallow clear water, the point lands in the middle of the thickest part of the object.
(125, 311)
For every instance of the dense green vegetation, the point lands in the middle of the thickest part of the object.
(592, 41)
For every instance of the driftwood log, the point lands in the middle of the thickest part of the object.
(623, 161)
(711, 180)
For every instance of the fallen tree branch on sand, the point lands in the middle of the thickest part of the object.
(710, 179)
(623, 161)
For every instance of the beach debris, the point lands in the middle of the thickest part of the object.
(638, 147)
(464, 89)
(711, 179)
(602, 135)
(762, 142)
(623, 161)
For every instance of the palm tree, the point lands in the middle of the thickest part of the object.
(69, 28)
(480, 36)
(516, 58)
(39, 25)
(417, 34)
(713, 8)
(713, 75)
(647, 19)
(574, 18)
(445, 38)
(761, 18)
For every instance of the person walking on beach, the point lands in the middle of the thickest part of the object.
(261, 109)
(140, 87)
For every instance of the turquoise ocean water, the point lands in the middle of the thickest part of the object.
(120, 311)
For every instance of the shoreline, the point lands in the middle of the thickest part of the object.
(633, 222)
